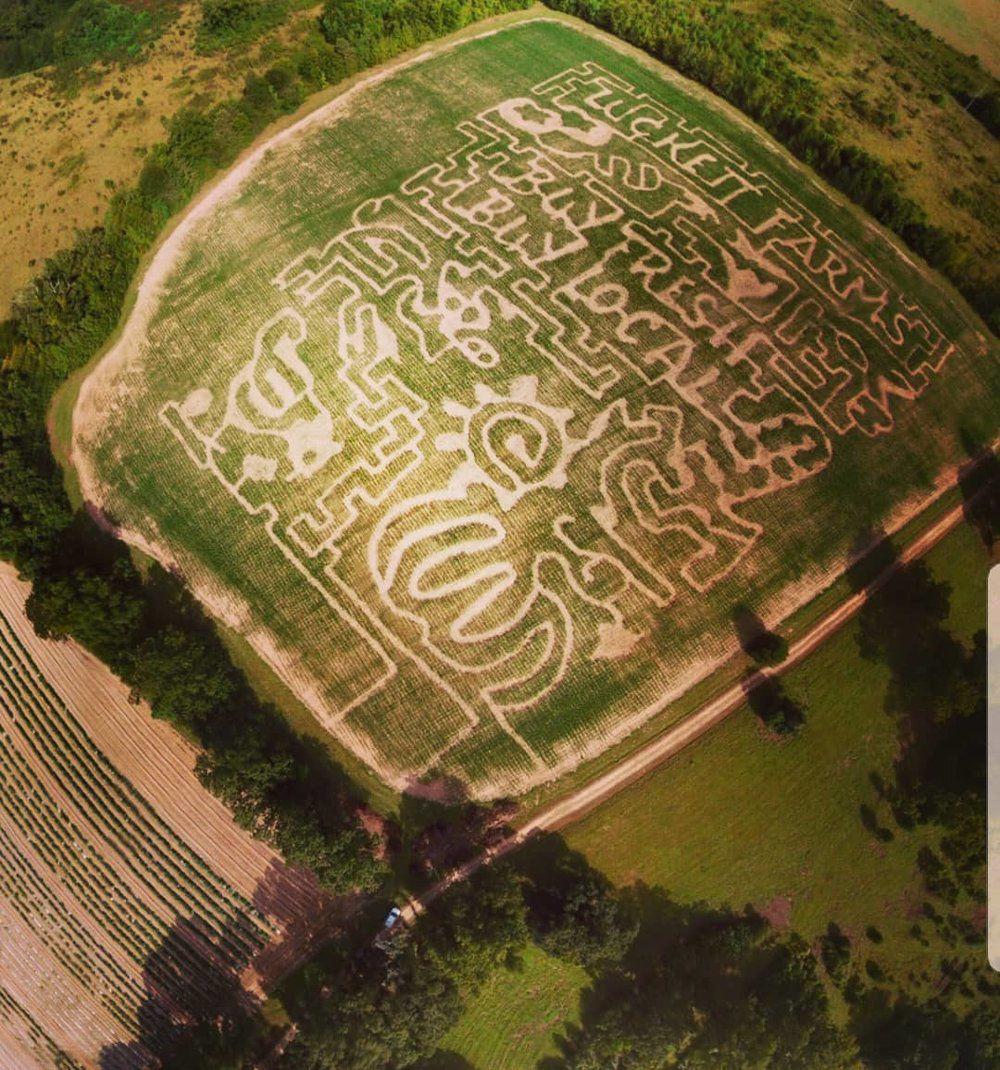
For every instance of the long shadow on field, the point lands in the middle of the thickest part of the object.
(979, 482)
(152, 633)
(198, 1011)
(195, 1009)
(706, 986)
(903, 625)
(936, 696)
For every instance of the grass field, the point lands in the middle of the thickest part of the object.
(738, 819)
(480, 399)
(71, 139)
(518, 1014)
(968, 25)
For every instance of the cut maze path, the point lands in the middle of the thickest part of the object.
(483, 464)
(572, 807)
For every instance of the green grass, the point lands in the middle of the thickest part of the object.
(343, 633)
(518, 1014)
(232, 23)
(967, 25)
(736, 819)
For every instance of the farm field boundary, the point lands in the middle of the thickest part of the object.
(564, 811)
(444, 536)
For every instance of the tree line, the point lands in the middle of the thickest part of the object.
(280, 786)
(717, 44)
(688, 986)
(670, 984)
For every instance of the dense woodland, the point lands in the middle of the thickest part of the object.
(692, 982)
(69, 33)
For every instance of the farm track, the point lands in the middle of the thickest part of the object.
(126, 889)
(649, 757)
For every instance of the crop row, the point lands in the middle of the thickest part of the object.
(82, 852)
(97, 789)
(44, 1047)
(75, 948)
(59, 845)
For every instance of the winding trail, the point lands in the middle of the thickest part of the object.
(566, 810)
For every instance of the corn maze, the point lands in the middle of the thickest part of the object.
(114, 926)
(496, 447)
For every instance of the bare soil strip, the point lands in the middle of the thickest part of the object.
(111, 849)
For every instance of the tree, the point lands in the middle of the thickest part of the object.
(575, 913)
(389, 1006)
(705, 990)
(384, 1011)
(183, 679)
(901, 1034)
(778, 712)
(479, 926)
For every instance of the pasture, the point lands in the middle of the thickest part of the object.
(967, 25)
(479, 399)
(128, 896)
(738, 818)
(741, 819)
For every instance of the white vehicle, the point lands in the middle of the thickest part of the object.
(392, 917)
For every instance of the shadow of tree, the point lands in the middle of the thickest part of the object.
(895, 1031)
(904, 627)
(439, 834)
(936, 696)
(196, 1004)
(704, 986)
(205, 980)
(770, 702)
(979, 483)
(870, 821)
(871, 556)
(755, 639)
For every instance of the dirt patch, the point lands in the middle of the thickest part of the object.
(777, 912)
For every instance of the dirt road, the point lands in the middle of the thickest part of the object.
(654, 753)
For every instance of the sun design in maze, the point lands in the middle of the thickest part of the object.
(514, 411)
(513, 444)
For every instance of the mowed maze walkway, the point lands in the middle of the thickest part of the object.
(653, 754)
(128, 895)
